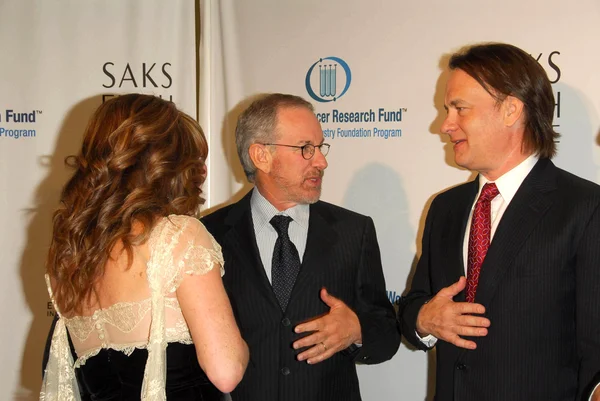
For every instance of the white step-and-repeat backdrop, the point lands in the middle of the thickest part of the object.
(379, 60)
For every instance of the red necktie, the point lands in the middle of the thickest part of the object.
(479, 237)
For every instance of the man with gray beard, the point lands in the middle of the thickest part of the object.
(304, 276)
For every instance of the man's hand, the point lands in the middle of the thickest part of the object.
(448, 320)
(333, 332)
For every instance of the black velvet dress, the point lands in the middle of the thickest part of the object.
(112, 375)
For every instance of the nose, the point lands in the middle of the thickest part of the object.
(448, 125)
(318, 160)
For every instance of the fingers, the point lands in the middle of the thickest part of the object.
(309, 340)
(330, 300)
(330, 333)
(471, 331)
(473, 321)
(468, 307)
(454, 289)
(451, 321)
(313, 325)
(317, 353)
(461, 342)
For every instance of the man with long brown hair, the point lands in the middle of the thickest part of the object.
(507, 284)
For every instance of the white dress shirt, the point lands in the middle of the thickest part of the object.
(507, 184)
(266, 235)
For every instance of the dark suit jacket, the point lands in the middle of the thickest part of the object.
(342, 255)
(539, 283)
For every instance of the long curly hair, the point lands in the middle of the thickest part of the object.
(141, 159)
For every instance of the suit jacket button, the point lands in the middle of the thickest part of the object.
(285, 371)
(461, 366)
(286, 322)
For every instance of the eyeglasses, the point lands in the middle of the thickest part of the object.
(308, 150)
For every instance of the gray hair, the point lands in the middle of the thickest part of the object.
(257, 124)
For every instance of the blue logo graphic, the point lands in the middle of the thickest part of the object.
(328, 74)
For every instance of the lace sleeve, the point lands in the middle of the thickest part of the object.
(178, 245)
(199, 258)
(190, 250)
(60, 383)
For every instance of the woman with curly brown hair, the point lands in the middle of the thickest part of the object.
(134, 277)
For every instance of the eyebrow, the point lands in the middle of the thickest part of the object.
(310, 143)
(454, 103)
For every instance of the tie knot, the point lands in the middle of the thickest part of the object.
(488, 192)
(281, 223)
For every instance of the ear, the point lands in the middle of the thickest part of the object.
(513, 110)
(261, 157)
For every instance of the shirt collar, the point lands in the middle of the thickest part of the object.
(264, 211)
(509, 182)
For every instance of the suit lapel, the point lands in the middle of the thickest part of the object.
(454, 234)
(241, 239)
(520, 218)
(319, 242)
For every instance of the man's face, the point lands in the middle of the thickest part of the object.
(292, 178)
(476, 126)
